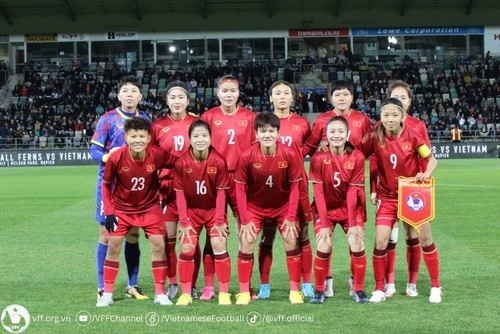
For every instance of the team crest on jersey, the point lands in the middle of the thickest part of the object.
(125, 169)
(165, 129)
(119, 126)
(407, 146)
(282, 164)
(188, 170)
(150, 168)
(327, 161)
(212, 170)
(296, 128)
(218, 122)
(242, 122)
(356, 124)
(257, 165)
(382, 145)
(349, 165)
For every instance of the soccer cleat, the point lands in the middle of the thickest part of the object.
(411, 290)
(264, 291)
(243, 298)
(224, 298)
(329, 287)
(99, 293)
(184, 300)
(350, 284)
(307, 290)
(390, 290)
(253, 296)
(378, 296)
(194, 294)
(296, 297)
(318, 298)
(436, 295)
(105, 300)
(360, 297)
(162, 300)
(135, 292)
(207, 293)
(173, 289)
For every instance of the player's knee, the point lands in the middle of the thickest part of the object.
(188, 249)
(218, 244)
(324, 246)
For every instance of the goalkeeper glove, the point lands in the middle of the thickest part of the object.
(111, 223)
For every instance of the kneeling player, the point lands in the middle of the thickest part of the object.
(267, 190)
(130, 188)
(200, 182)
(338, 177)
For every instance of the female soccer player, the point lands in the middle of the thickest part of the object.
(130, 189)
(401, 91)
(232, 133)
(338, 177)
(171, 133)
(109, 136)
(359, 125)
(397, 149)
(200, 182)
(294, 130)
(267, 190)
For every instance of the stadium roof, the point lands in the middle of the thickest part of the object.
(51, 16)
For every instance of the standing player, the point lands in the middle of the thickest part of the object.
(200, 183)
(171, 134)
(294, 130)
(232, 133)
(359, 125)
(267, 190)
(109, 136)
(402, 92)
(130, 189)
(338, 177)
(397, 149)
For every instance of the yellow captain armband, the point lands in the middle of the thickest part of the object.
(424, 151)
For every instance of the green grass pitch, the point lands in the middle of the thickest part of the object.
(48, 240)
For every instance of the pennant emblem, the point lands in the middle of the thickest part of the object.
(416, 201)
(407, 146)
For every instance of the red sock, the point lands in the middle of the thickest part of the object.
(245, 265)
(358, 265)
(379, 267)
(110, 272)
(413, 258)
(294, 266)
(208, 265)
(391, 263)
(197, 264)
(223, 271)
(306, 259)
(186, 269)
(159, 270)
(172, 260)
(321, 264)
(431, 258)
(329, 269)
(265, 262)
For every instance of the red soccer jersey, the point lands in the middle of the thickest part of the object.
(231, 134)
(171, 135)
(359, 125)
(294, 130)
(419, 127)
(268, 178)
(337, 173)
(135, 182)
(397, 157)
(200, 180)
